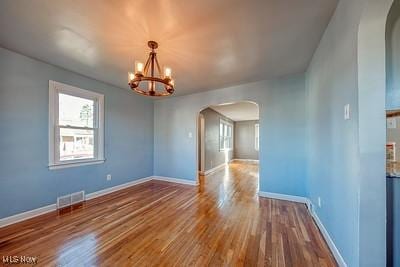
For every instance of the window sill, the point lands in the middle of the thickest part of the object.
(75, 164)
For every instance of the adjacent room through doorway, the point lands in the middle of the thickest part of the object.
(228, 143)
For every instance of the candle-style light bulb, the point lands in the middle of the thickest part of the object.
(131, 76)
(167, 72)
(139, 66)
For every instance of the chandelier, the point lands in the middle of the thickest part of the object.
(150, 73)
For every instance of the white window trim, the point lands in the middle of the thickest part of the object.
(257, 136)
(219, 141)
(56, 88)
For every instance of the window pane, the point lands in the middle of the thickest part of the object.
(229, 130)
(76, 144)
(257, 134)
(221, 129)
(75, 111)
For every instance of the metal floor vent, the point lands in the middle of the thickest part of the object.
(71, 199)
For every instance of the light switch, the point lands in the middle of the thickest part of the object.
(347, 112)
(190, 135)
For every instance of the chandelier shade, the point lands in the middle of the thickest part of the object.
(158, 83)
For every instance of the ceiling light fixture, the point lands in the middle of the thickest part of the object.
(157, 85)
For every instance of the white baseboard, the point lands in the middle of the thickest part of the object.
(339, 259)
(40, 211)
(216, 168)
(336, 254)
(116, 188)
(27, 215)
(174, 180)
(247, 160)
(285, 197)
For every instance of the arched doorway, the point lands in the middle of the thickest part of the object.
(393, 134)
(372, 132)
(227, 136)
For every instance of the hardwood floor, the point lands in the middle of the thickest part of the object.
(222, 222)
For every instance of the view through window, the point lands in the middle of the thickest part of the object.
(76, 126)
(257, 136)
(225, 135)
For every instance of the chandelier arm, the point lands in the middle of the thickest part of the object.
(146, 66)
(158, 67)
(152, 64)
(152, 84)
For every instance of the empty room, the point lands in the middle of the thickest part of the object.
(200, 133)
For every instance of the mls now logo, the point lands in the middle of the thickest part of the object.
(19, 260)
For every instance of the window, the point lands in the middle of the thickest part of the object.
(76, 126)
(257, 136)
(225, 135)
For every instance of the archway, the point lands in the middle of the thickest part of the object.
(393, 134)
(232, 131)
(372, 134)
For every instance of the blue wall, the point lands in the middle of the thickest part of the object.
(333, 162)
(282, 132)
(25, 181)
(213, 156)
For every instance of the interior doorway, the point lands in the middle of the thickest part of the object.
(201, 145)
(228, 135)
(393, 136)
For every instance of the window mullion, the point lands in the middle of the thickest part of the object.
(76, 127)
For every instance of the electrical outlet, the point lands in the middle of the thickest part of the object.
(319, 202)
(109, 177)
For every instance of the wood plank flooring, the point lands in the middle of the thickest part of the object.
(221, 222)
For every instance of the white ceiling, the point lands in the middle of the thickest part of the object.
(209, 44)
(239, 111)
